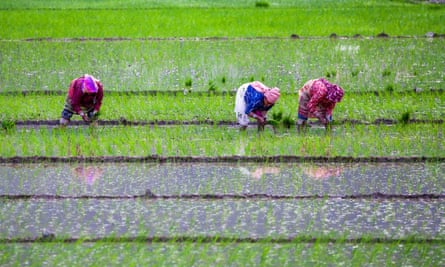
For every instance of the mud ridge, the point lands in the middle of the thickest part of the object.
(151, 196)
(221, 159)
(225, 38)
(207, 93)
(125, 122)
(51, 238)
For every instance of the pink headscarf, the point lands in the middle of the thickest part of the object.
(335, 92)
(272, 95)
(89, 84)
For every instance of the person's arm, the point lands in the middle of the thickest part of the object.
(75, 93)
(256, 116)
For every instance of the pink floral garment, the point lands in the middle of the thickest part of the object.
(318, 98)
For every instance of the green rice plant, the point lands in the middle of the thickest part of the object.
(8, 125)
(405, 117)
(262, 4)
(386, 72)
(119, 71)
(331, 74)
(212, 87)
(138, 19)
(359, 140)
(288, 122)
(277, 116)
(389, 88)
(188, 82)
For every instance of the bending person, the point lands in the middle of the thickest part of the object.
(84, 98)
(318, 98)
(254, 100)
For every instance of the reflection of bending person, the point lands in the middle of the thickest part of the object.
(317, 100)
(260, 171)
(254, 100)
(322, 172)
(88, 174)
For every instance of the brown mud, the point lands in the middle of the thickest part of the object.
(222, 38)
(150, 195)
(49, 237)
(222, 159)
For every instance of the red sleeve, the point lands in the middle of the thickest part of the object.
(75, 94)
(100, 95)
(318, 92)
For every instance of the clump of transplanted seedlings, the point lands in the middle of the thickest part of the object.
(212, 87)
(262, 4)
(8, 125)
(406, 116)
(188, 82)
(331, 74)
(280, 121)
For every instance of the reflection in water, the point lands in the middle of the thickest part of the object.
(260, 171)
(88, 174)
(322, 172)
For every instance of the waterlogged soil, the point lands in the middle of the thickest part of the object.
(220, 179)
(264, 201)
(336, 218)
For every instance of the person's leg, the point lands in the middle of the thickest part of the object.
(243, 120)
(328, 124)
(66, 117)
(301, 122)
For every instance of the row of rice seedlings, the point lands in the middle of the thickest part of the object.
(347, 140)
(223, 254)
(130, 21)
(357, 65)
(189, 107)
(321, 218)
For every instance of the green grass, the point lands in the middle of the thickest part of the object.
(353, 141)
(136, 19)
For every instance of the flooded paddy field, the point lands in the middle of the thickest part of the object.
(170, 179)
(241, 219)
(245, 200)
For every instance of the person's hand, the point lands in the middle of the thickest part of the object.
(84, 117)
(261, 120)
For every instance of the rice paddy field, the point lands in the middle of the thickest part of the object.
(166, 177)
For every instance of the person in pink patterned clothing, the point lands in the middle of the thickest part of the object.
(318, 98)
(84, 98)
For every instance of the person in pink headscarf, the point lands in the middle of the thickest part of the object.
(84, 98)
(318, 98)
(254, 100)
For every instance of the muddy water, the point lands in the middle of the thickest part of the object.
(295, 179)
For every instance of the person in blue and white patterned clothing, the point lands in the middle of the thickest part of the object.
(254, 100)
